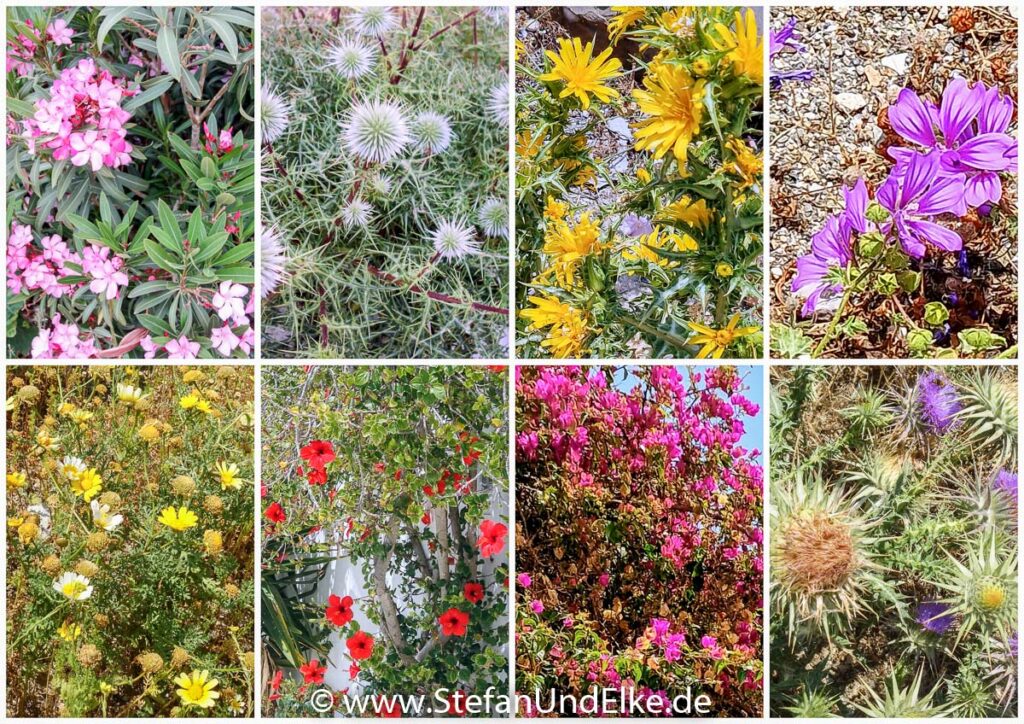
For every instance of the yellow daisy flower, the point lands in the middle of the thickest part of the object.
(69, 631)
(228, 473)
(715, 341)
(724, 269)
(625, 18)
(674, 102)
(46, 441)
(87, 484)
(197, 689)
(744, 45)
(568, 246)
(554, 210)
(646, 247)
(582, 73)
(746, 164)
(16, 480)
(179, 520)
(187, 402)
(690, 212)
(566, 326)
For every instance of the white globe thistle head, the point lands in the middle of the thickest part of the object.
(352, 58)
(497, 104)
(356, 214)
(492, 217)
(273, 260)
(274, 114)
(454, 239)
(372, 22)
(378, 186)
(375, 131)
(495, 14)
(432, 131)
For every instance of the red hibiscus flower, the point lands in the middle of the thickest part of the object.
(318, 453)
(317, 476)
(492, 538)
(474, 592)
(313, 672)
(339, 610)
(360, 645)
(353, 670)
(496, 368)
(453, 622)
(428, 491)
(425, 520)
(275, 513)
(379, 467)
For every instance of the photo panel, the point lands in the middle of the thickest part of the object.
(130, 546)
(639, 164)
(385, 550)
(639, 541)
(893, 528)
(385, 189)
(894, 182)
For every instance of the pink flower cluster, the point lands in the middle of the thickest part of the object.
(83, 120)
(661, 635)
(30, 269)
(62, 341)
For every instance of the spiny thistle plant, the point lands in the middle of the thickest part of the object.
(813, 704)
(823, 571)
(385, 137)
(982, 592)
(927, 505)
(638, 180)
(989, 412)
(898, 702)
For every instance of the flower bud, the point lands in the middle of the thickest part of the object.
(876, 213)
(896, 260)
(908, 280)
(886, 284)
(935, 313)
(870, 245)
(919, 340)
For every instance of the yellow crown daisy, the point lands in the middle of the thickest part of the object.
(582, 74)
(228, 473)
(197, 689)
(716, 341)
(179, 520)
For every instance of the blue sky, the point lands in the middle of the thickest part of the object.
(753, 379)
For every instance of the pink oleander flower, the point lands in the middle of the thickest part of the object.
(107, 278)
(224, 340)
(89, 149)
(149, 347)
(229, 301)
(182, 348)
(59, 31)
(62, 341)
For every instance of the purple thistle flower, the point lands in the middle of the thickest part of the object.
(918, 194)
(934, 617)
(938, 400)
(1006, 482)
(971, 139)
(1012, 642)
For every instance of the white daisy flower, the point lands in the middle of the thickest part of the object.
(102, 518)
(274, 114)
(372, 22)
(356, 214)
(128, 394)
(273, 260)
(497, 104)
(73, 586)
(352, 58)
(454, 239)
(71, 467)
(432, 132)
(492, 217)
(375, 131)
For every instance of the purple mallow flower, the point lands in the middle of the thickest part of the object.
(967, 132)
(934, 617)
(938, 400)
(633, 225)
(1006, 482)
(786, 40)
(915, 196)
(831, 249)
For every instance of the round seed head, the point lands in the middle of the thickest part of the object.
(274, 114)
(352, 58)
(375, 131)
(454, 239)
(372, 22)
(492, 217)
(432, 132)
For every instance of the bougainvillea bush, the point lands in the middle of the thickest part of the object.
(893, 555)
(129, 182)
(638, 182)
(638, 536)
(385, 573)
(919, 261)
(385, 200)
(129, 541)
